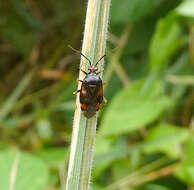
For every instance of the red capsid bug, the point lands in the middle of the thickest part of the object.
(91, 92)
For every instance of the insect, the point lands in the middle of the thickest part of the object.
(91, 92)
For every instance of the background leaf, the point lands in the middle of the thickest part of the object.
(186, 8)
(169, 139)
(132, 10)
(53, 156)
(31, 172)
(147, 121)
(186, 170)
(165, 41)
(129, 105)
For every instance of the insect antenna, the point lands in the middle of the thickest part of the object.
(80, 54)
(99, 60)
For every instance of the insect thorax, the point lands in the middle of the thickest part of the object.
(92, 78)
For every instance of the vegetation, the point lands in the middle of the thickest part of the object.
(145, 134)
(84, 128)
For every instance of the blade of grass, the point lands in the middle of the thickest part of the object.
(80, 162)
(147, 168)
(181, 80)
(13, 174)
(11, 100)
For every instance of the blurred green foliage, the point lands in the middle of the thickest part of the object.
(145, 133)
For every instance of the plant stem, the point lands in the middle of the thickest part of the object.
(115, 63)
(11, 100)
(87, 154)
(147, 168)
(166, 171)
(84, 130)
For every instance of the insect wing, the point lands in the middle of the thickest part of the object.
(84, 97)
(99, 94)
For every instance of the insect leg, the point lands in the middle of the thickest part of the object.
(80, 80)
(105, 100)
(97, 107)
(77, 91)
(83, 107)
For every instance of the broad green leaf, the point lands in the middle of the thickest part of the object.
(52, 156)
(30, 172)
(186, 8)
(169, 139)
(186, 170)
(129, 110)
(165, 41)
(132, 10)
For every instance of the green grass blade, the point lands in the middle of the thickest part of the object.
(84, 130)
(11, 100)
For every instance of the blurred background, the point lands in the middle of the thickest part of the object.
(145, 137)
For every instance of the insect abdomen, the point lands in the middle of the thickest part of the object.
(90, 111)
